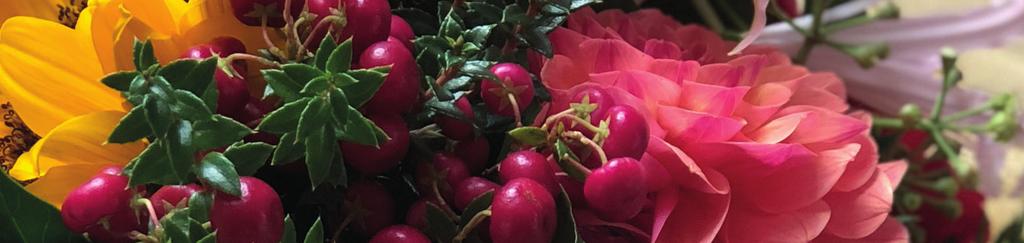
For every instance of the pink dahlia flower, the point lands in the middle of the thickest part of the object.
(745, 148)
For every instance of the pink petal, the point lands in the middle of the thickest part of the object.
(894, 170)
(711, 99)
(750, 158)
(778, 129)
(684, 171)
(823, 126)
(756, 27)
(750, 225)
(686, 127)
(801, 183)
(860, 169)
(662, 49)
(678, 71)
(653, 89)
(688, 216)
(860, 212)
(761, 103)
(891, 231)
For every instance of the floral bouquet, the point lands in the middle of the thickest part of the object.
(563, 121)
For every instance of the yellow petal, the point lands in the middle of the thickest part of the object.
(56, 185)
(52, 73)
(44, 9)
(208, 19)
(79, 141)
(103, 21)
(161, 15)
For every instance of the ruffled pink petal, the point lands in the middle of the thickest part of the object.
(860, 169)
(662, 49)
(894, 170)
(752, 159)
(778, 129)
(800, 183)
(761, 103)
(675, 70)
(653, 89)
(823, 126)
(751, 225)
(756, 27)
(684, 171)
(711, 99)
(688, 216)
(860, 212)
(686, 127)
(891, 231)
(820, 89)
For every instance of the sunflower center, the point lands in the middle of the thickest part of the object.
(68, 13)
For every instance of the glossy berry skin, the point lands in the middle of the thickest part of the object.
(528, 164)
(446, 169)
(233, 93)
(83, 213)
(474, 153)
(401, 89)
(470, 189)
(378, 203)
(111, 170)
(401, 30)
(172, 195)
(515, 80)
(370, 160)
(617, 191)
(522, 211)
(256, 216)
(596, 96)
(368, 21)
(400, 234)
(627, 133)
(243, 10)
(455, 128)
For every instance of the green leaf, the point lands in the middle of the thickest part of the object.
(177, 71)
(176, 225)
(339, 104)
(479, 69)
(151, 166)
(566, 229)
(439, 226)
(338, 176)
(369, 82)
(301, 73)
(420, 21)
(288, 236)
(190, 106)
(195, 229)
(120, 81)
(282, 84)
(480, 203)
(200, 80)
(217, 171)
(287, 152)
(144, 57)
(533, 136)
(514, 14)
(199, 206)
(313, 117)
(284, 119)
(360, 130)
(451, 26)
(218, 132)
(178, 148)
(157, 115)
(25, 218)
(315, 233)
(486, 12)
(539, 41)
(320, 151)
(342, 79)
(132, 127)
(249, 157)
(479, 34)
(327, 46)
(316, 86)
(341, 58)
(210, 238)
(210, 95)
(563, 155)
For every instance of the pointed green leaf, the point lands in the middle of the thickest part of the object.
(132, 127)
(439, 227)
(320, 147)
(210, 95)
(217, 171)
(177, 71)
(315, 233)
(369, 81)
(341, 58)
(288, 236)
(175, 225)
(195, 229)
(342, 79)
(249, 157)
(211, 238)
(178, 148)
(313, 117)
(157, 115)
(480, 203)
(316, 86)
(120, 81)
(284, 119)
(338, 176)
(287, 152)
(301, 73)
(360, 130)
(26, 218)
(339, 104)
(190, 106)
(283, 85)
(144, 57)
(218, 132)
(565, 231)
(151, 166)
(199, 206)
(529, 135)
(479, 34)
(563, 155)
(327, 46)
(539, 41)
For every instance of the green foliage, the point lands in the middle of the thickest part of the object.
(25, 218)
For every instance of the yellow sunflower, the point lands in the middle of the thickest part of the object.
(50, 73)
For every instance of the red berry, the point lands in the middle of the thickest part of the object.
(573, 188)
(474, 153)
(253, 217)
(455, 128)
(595, 96)
(522, 211)
(171, 196)
(401, 89)
(402, 31)
(111, 170)
(417, 215)
(470, 189)
(514, 80)
(369, 21)
(446, 169)
(617, 191)
(370, 160)
(377, 202)
(102, 206)
(233, 93)
(400, 234)
(627, 133)
(528, 164)
(246, 11)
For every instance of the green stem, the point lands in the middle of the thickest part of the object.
(707, 12)
(960, 169)
(472, 224)
(731, 15)
(818, 11)
(887, 122)
(776, 11)
(967, 113)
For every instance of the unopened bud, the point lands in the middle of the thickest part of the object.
(910, 114)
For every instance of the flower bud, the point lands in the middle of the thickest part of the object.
(910, 114)
(911, 201)
(889, 10)
(947, 186)
(1003, 125)
(866, 55)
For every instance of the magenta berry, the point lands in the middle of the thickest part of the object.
(617, 191)
(573, 188)
(233, 93)
(402, 31)
(627, 133)
(474, 152)
(522, 211)
(172, 196)
(417, 214)
(455, 128)
(246, 11)
(369, 21)
(446, 169)
(370, 160)
(470, 189)
(528, 164)
(111, 218)
(378, 203)
(111, 170)
(255, 216)
(400, 234)
(595, 96)
(399, 92)
(514, 80)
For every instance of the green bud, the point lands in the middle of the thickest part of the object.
(866, 55)
(911, 114)
(887, 11)
(911, 200)
(951, 208)
(1003, 125)
(947, 186)
(1002, 102)
(948, 58)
